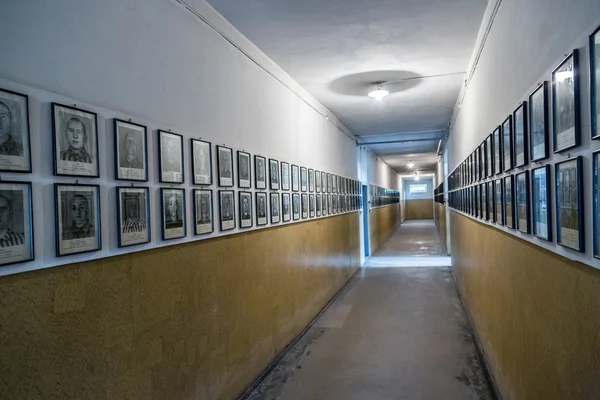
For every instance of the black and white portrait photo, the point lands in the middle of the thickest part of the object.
(274, 174)
(538, 122)
(14, 132)
(285, 204)
(303, 179)
(260, 172)
(226, 210)
(311, 180)
(245, 209)
(329, 183)
(133, 212)
(323, 182)
(295, 178)
(131, 151)
(201, 162)
(203, 212)
(565, 104)
(170, 149)
(225, 166)
(173, 213)
(285, 176)
(243, 160)
(507, 145)
(296, 206)
(520, 128)
(261, 208)
(311, 205)
(318, 205)
(318, 181)
(16, 232)
(78, 218)
(569, 207)
(329, 205)
(275, 212)
(304, 206)
(75, 134)
(324, 210)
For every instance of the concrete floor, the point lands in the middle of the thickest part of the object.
(392, 334)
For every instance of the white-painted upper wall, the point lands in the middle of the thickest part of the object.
(156, 62)
(375, 171)
(527, 40)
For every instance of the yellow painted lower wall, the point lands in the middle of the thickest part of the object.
(537, 314)
(419, 209)
(383, 221)
(193, 321)
(440, 222)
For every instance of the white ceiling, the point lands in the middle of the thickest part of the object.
(337, 50)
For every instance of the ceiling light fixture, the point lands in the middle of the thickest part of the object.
(410, 165)
(379, 92)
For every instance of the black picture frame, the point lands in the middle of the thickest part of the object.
(8, 256)
(275, 208)
(594, 41)
(522, 210)
(260, 172)
(124, 173)
(490, 155)
(225, 167)
(491, 204)
(484, 202)
(311, 180)
(520, 134)
(262, 217)
(541, 202)
(323, 182)
(274, 181)
(285, 175)
(123, 226)
(165, 235)
(498, 153)
(509, 201)
(286, 207)
(539, 124)
(199, 179)
(203, 228)
(319, 202)
(303, 179)
(596, 202)
(295, 178)
(499, 199)
(563, 192)
(571, 106)
(172, 176)
(508, 144)
(295, 206)
(483, 160)
(58, 214)
(227, 220)
(245, 215)
(57, 108)
(244, 177)
(318, 181)
(304, 205)
(6, 165)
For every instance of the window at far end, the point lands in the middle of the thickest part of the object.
(413, 189)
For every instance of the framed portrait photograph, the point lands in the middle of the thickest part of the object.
(542, 214)
(201, 162)
(133, 213)
(225, 166)
(522, 200)
(490, 202)
(499, 199)
(484, 202)
(285, 176)
(273, 174)
(569, 204)
(131, 151)
(538, 123)
(203, 212)
(15, 147)
(226, 210)
(509, 201)
(16, 223)
(275, 211)
(304, 206)
(497, 146)
(295, 178)
(260, 172)
(318, 205)
(323, 182)
(318, 181)
(75, 134)
(334, 204)
(507, 143)
(245, 201)
(173, 213)
(311, 180)
(170, 155)
(303, 179)
(285, 205)
(261, 209)
(489, 144)
(325, 207)
(596, 199)
(77, 219)
(334, 184)
(565, 103)
(329, 183)
(520, 127)
(296, 206)
(244, 175)
(595, 82)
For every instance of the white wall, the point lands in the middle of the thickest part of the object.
(375, 171)
(157, 63)
(528, 39)
(406, 182)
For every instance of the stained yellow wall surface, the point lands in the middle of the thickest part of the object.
(537, 313)
(198, 320)
(419, 209)
(383, 221)
(440, 222)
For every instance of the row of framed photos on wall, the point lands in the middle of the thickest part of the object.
(522, 201)
(383, 197)
(524, 135)
(78, 219)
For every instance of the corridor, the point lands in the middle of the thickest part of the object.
(393, 333)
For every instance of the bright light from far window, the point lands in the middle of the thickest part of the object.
(416, 189)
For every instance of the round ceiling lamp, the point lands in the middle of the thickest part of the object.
(379, 92)
(410, 165)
